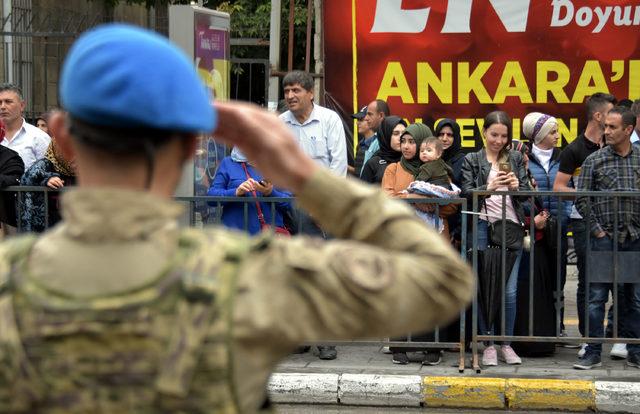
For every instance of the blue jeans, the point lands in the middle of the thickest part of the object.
(579, 229)
(629, 300)
(510, 289)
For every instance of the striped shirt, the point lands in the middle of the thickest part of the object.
(605, 170)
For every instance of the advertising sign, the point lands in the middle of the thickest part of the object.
(204, 36)
(211, 57)
(465, 58)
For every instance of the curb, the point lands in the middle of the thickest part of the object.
(618, 396)
(380, 390)
(455, 392)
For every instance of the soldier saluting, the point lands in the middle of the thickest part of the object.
(117, 309)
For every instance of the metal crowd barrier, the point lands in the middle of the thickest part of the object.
(205, 210)
(596, 270)
(458, 344)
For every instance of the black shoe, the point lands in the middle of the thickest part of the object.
(633, 360)
(327, 352)
(588, 361)
(400, 358)
(302, 349)
(432, 358)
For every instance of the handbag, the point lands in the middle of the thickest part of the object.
(263, 224)
(514, 234)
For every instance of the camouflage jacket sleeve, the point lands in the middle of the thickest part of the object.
(386, 273)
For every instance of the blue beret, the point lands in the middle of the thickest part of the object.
(122, 76)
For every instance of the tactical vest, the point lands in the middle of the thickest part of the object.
(164, 347)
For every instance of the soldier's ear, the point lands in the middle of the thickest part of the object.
(59, 129)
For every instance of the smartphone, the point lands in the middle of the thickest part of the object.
(505, 166)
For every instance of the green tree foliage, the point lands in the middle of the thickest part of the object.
(251, 19)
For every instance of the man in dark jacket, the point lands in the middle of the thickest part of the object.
(11, 169)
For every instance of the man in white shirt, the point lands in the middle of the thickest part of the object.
(28, 141)
(319, 130)
(320, 133)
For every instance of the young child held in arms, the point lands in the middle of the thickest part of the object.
(434, 170)
(433, 180)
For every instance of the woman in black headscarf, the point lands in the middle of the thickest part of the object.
(448, 131)
(389, 135)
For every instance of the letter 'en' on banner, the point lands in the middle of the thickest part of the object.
(389, 13)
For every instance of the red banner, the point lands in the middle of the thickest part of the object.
(463, 58)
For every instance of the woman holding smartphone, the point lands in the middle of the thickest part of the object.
(236, 177)
(497, 168)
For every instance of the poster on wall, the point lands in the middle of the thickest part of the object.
(462, 59)
(211, 58)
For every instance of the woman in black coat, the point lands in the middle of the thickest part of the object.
(497, 168)
(448, 132)
(389, 135)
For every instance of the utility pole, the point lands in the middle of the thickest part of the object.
(274, 54)
(318, 51)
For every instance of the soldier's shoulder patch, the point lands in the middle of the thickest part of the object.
(365, 269)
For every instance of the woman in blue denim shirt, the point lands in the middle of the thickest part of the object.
(231, 181)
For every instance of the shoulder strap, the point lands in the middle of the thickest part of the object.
(263, 223)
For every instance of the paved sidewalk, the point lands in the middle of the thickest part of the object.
(363, 375)
(369, 360)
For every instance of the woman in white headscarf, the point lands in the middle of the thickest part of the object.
(544, 161)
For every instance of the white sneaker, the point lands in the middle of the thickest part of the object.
(385, 350)
(490, 356)
(583, 349)
(509, 355)
(618, 351)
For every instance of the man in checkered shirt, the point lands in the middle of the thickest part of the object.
(615, 167)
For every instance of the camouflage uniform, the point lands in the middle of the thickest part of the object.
(118, 310)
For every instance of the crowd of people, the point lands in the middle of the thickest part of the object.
(31, 158)
(409, 161)
(602, 158)
(119, 308)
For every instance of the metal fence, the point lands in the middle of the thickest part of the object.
(615, 266)
(608, 266)
(34, 43)
(35, 40)
(250, 80)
